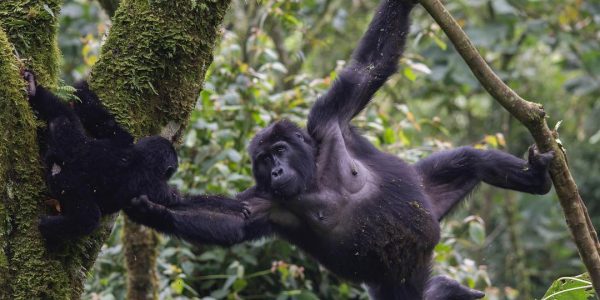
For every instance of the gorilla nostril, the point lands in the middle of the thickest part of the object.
(277, 172)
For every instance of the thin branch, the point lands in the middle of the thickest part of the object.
(531, 115)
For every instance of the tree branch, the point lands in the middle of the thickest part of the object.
(531, 115)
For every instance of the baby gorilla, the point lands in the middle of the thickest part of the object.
(92, 166)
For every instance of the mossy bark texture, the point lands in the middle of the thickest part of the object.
(28, 28)
(149, 74)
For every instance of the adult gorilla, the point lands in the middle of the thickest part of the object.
(365, 215)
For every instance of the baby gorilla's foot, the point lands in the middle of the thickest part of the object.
(51, 233)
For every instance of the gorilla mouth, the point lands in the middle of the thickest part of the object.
(280, 187)
(280, 184)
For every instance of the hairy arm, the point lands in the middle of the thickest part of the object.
(449, 176)
(204, 219)
(373, 61)
(89, 112)
(98, 122)
(46, 105)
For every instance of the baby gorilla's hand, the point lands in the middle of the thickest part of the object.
(143, 205)
(31, 84)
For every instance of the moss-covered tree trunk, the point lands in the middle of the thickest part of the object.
(149, 74)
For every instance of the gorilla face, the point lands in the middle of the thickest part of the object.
(283, 161)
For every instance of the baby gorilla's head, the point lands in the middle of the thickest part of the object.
(158, 154)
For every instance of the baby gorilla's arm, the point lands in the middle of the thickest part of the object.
(201, 219)
(46, 105)
(99, 123)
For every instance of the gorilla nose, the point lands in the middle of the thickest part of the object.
(277, 172)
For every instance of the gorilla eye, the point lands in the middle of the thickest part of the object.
(298, 135)
(280, 149)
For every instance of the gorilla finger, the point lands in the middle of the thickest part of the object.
(548, 156)
(246, 213)
(531, 152)
(475, 294)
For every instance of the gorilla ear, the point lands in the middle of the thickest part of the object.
(170, 171)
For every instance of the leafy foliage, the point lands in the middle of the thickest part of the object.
(570, 288)
(275, 57)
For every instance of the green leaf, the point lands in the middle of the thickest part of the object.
(177, 286)
(570, 288)
(439, 42)
(48, 10)
(408, 73)
(240, 284)
(477, 233)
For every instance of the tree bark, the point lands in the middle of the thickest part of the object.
(531, 115)
(149, 74)
(151, 80)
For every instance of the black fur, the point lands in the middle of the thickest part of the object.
(92, 166)
(364, 214)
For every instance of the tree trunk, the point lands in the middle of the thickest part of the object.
(149, 75)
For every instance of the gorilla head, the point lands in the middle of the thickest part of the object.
(283, 159)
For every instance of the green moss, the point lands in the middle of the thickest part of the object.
(31, 27)
(153, 76)
(30, 274)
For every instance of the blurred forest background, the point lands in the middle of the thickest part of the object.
(275, 57)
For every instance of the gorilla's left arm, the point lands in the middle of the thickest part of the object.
(204, 219)
(449, 176)
(373, 61)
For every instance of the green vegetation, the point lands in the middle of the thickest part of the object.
(276, 57)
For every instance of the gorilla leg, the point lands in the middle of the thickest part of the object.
(449, 176)
(444, 288)
(410, 289)
(80, 217)
(438, 288)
